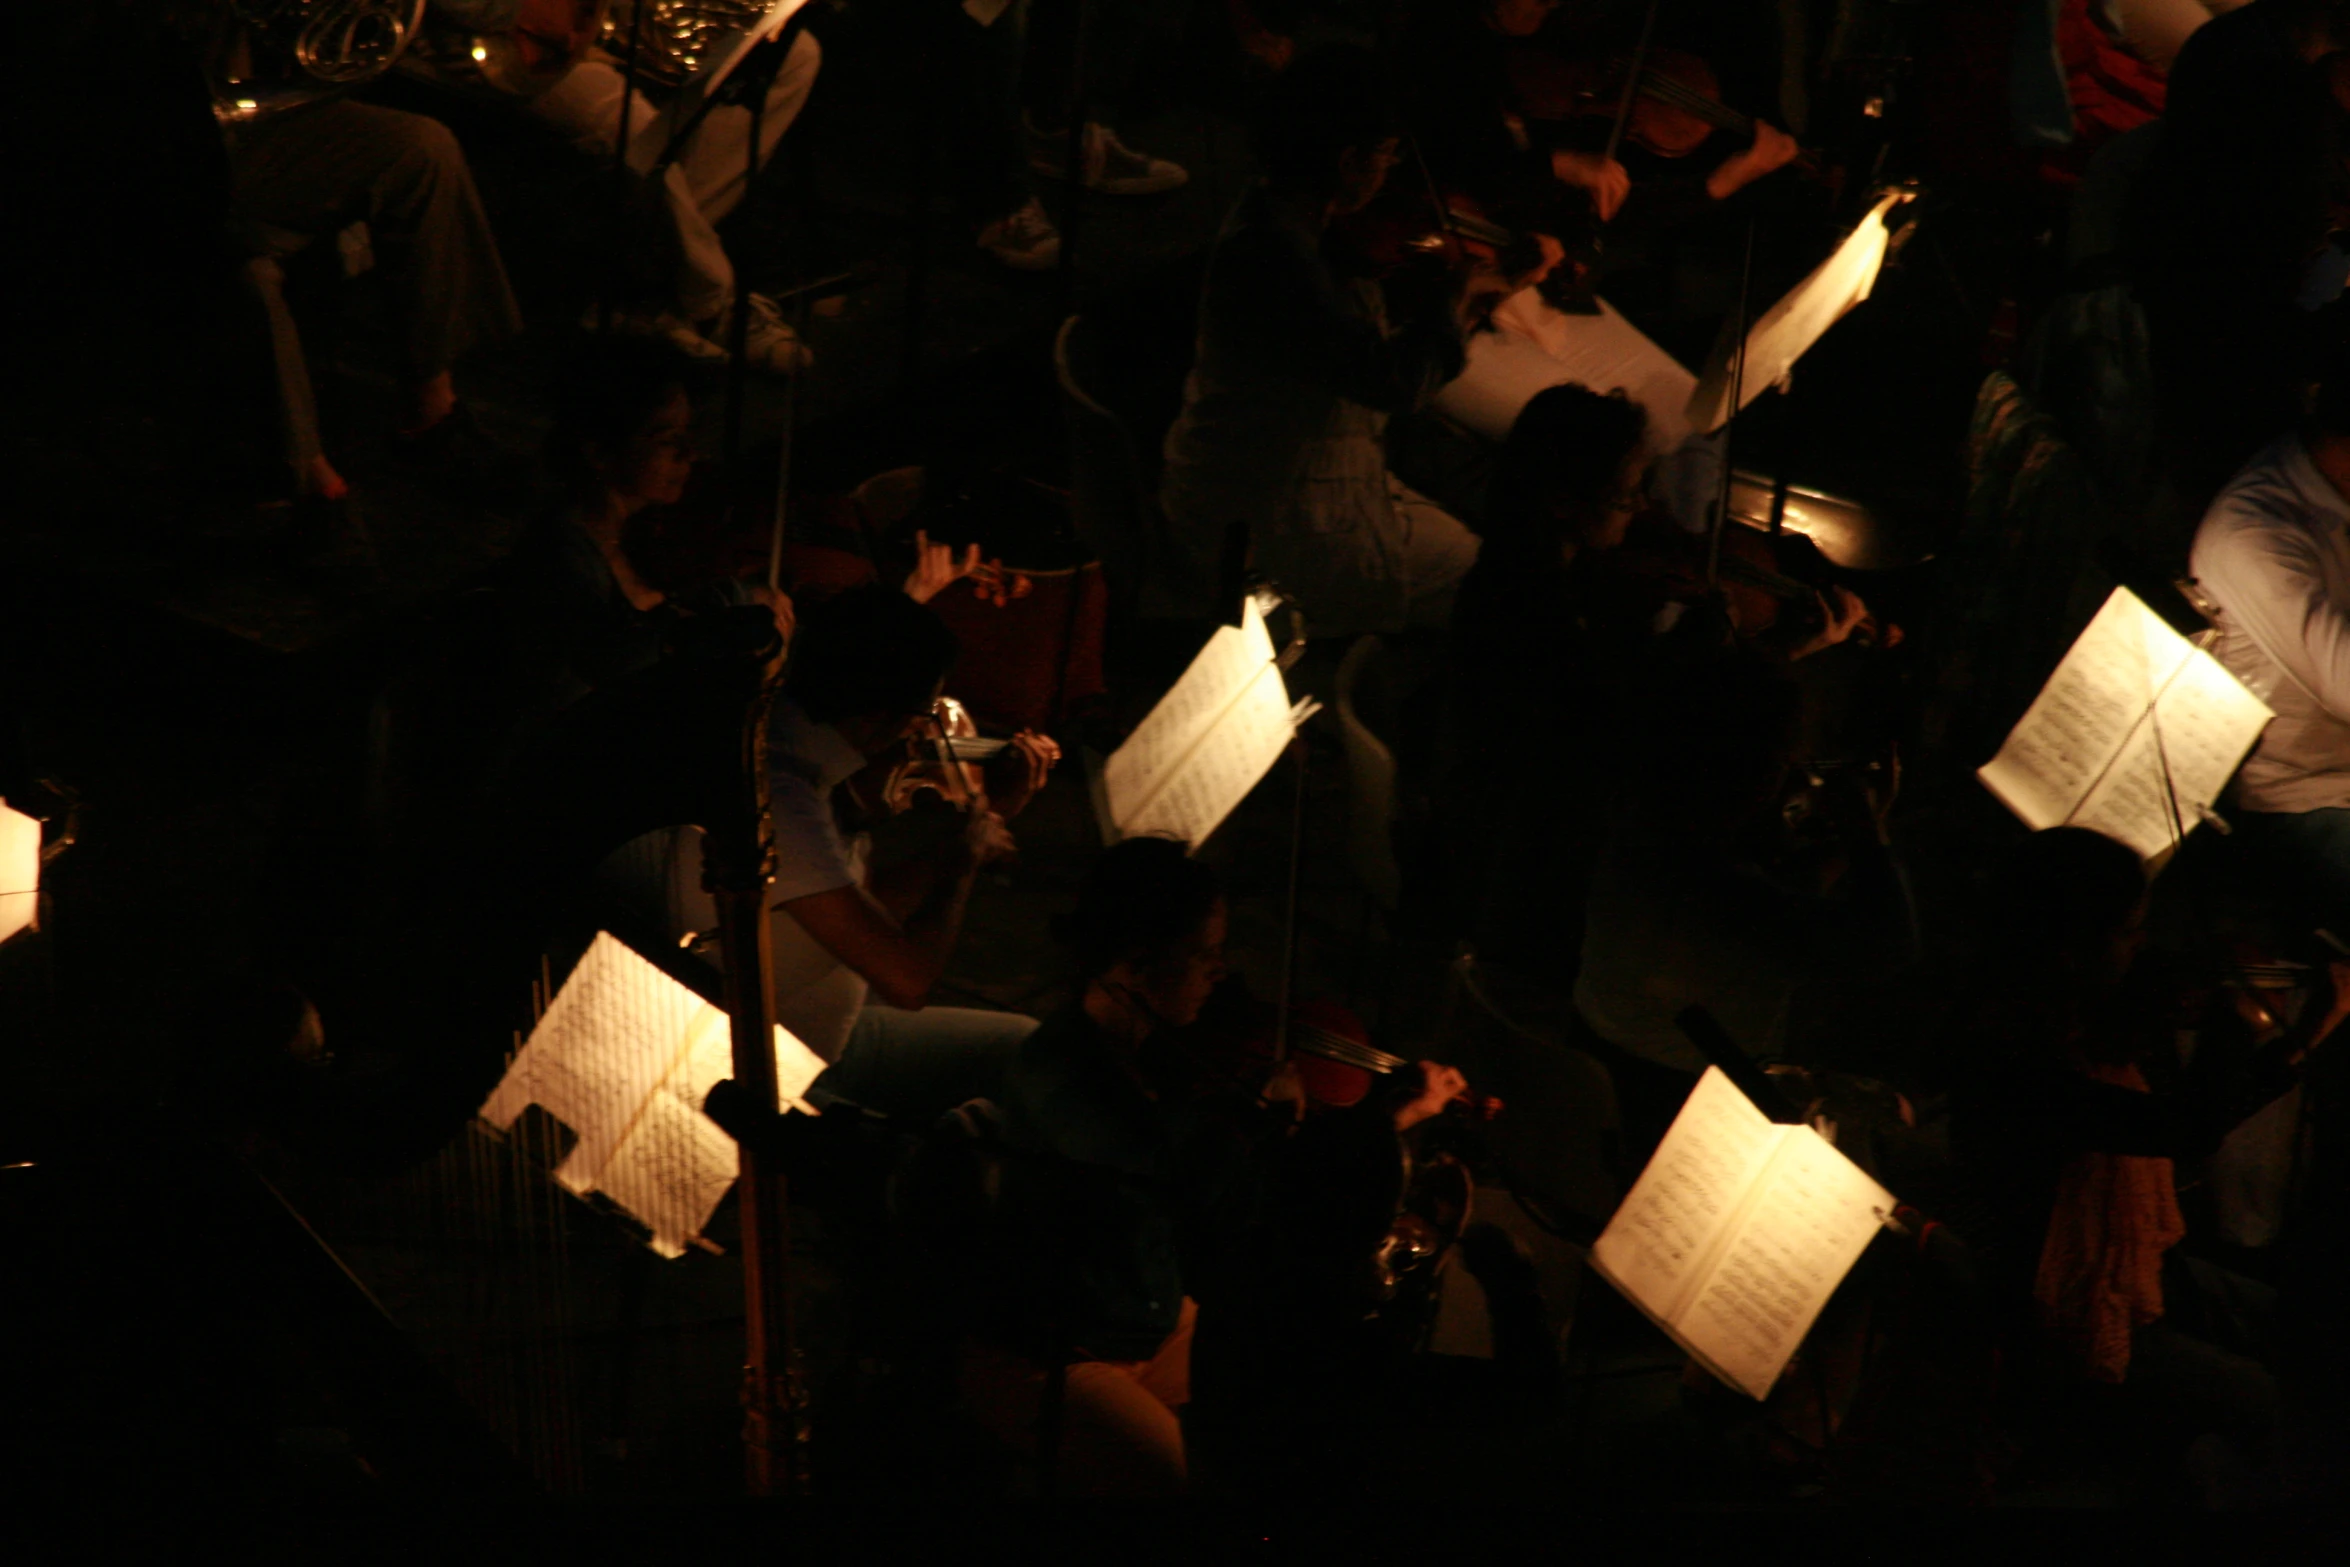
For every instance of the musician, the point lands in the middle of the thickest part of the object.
(2273, 554)
(700, 186)
(1296, 373)
(2068, 1145)
(1697, 898)
(1132, 1185)
(857, 949)
(1481, 136)
(306, 172)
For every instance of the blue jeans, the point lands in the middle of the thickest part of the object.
(923, 1064)
(2305, 857)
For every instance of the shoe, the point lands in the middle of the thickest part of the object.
(1023, 239)
(665, 326)
(769, 342)
(1111, 167)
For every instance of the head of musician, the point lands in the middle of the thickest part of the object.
(870, 662)
(1327, 131)
(1568, 479)
(2065, 920)
(624, 424)
(1148, 936)
(1517, 18)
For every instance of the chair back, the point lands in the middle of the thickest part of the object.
(1109, 499)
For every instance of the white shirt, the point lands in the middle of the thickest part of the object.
(2274, 554)
(817, 996)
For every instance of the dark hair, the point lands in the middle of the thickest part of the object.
(610, 387)
(1555, 476)
(870, 650)
(1142, 896)
(1333, 99)
(2063, 891)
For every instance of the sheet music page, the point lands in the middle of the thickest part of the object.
(2081, 720)
(616, 1028)
(2203, 723)
(643, 1140)
(1229, 665)
(1222, 766)
(1809, 1217)
(1668, 1226)
(1534, 346)
(1789, 328)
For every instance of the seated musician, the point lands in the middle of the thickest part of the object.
(1525, 163)
(2069, 1154)
(698, 188)
(1137, 1175)
(1698, 897)
(1296, 374)
(304, 173)
(858, 950)
(623, 446)
(2273, 554)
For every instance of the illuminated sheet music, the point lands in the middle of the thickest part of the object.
(2131, 704)
(624, 1057)
(1737, 1233)
(1208, 742)
(1787, 331)
(1534, 346)
(20, 870)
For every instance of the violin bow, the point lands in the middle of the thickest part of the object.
(1631, 93)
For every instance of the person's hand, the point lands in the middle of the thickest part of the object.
(1604, 179)
(1551, 253)
(1440, 1085)
(1285, 1086)
(984, 841)
(936, 569)
(1773, 149)
(1015, 773)
(1841, 613)
(778, 604)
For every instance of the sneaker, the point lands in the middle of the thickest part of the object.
(769, 342)
(665, 326)
(1023, 239)
(1111, 167)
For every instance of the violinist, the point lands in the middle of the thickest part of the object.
(858, 950)
(1136, 1181)
(1510, 120)
(1696, 899)
(1297, 370)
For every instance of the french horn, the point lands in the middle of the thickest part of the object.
(270, 55)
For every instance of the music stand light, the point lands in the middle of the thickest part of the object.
(20, 872)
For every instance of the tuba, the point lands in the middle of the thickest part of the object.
(269, 55)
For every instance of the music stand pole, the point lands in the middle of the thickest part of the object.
(1739, 323)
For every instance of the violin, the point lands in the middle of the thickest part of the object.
(1761, 580)
(947, 762)
(1330, 1048)
(1677, 107)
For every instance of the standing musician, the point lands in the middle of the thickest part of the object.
(1297, 370)
(705, 181)
(1135, 1182)
(1491, 104)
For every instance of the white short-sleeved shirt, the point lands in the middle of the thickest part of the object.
(2273, 553)
(817, 996)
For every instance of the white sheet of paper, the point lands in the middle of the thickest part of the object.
(2085, 752)
(1206, 744)
(646, 145)
(624, 1057)
(1807, 1222)
(1535, 346)
(1655, 1247)
(1787, 331)
(20, 870)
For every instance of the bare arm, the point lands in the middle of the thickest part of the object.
(903, 957)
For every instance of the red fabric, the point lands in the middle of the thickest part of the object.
(2112, 89)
